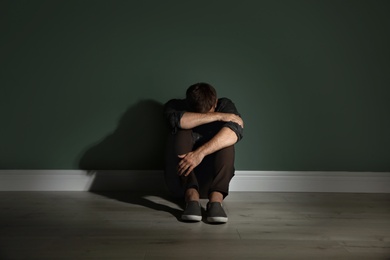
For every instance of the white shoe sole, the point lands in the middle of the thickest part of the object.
(217, 219)
(191, 217)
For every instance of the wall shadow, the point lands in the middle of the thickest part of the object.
(138, 143)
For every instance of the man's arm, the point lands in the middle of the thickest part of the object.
(224, 138)
(190, 120)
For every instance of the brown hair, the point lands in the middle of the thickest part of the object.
(201, 97)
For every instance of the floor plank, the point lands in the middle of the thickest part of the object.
(85, 225)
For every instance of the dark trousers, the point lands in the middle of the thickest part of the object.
(212, 174)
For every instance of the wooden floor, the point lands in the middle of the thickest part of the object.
(84, 225)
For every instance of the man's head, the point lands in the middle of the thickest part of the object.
(201, 98)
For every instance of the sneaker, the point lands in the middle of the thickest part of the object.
(215, 213)
(192, 212)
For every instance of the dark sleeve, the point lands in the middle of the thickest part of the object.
(225, 105)
(173, 111)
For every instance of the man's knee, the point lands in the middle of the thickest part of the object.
(182, 141)
(225, 157)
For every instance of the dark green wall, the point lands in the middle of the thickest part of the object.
(83, 82)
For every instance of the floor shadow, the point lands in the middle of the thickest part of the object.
(141, 198)
(118, 161)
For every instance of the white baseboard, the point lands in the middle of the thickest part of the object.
(284, 181)
(264, 181)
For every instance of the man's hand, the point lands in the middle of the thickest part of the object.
(228, 117)
(188, 162)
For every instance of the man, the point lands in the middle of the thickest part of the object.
(200, 150)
